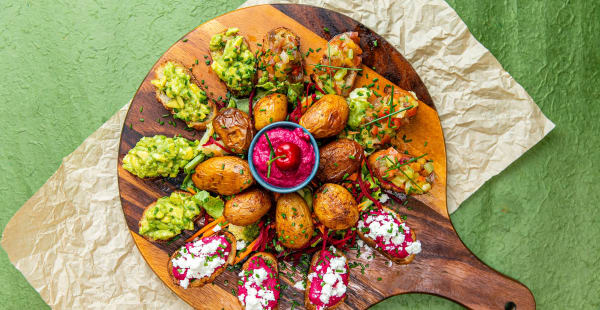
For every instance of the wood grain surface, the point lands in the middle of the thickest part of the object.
(445, 267)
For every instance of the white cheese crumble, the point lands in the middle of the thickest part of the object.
(197, 261)
(301, 285)
(333, 283)
(414, 247)
(216, 228)
(384, 198)
(256, 299)
(366, 252)
(240, 245)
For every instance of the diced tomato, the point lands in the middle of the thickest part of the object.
(374, 130)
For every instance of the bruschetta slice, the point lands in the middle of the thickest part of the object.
(233, 61)
(178, 92)
(258, 287)
(327, 280)
(165, 218)
(383, 230)
(401, 172)
(280, 58)
(342, 54)
(201, 261)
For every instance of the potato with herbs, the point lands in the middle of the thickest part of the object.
(224, 175)
(247, 207)
(293, 221)
(335, 207)
(402, 172)
(235, 128)
(269, 109)
(327, 117)
(339, 159)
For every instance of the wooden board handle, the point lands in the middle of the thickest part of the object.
(467, 280)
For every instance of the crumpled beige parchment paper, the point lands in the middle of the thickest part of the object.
(70, 239)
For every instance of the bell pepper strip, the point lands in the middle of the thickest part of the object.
(205, 228)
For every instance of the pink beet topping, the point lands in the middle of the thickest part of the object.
(399, 250)
(180, 273)
(278, 177)
(271, 283)
(315, 285)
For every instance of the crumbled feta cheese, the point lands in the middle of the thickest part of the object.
(256, 299)
(240, 245)
(216, 228)
(414, 247)
(333, 283)
(301, 285)
(384, 198)
(200, 261)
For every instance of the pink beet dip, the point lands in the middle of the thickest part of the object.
(278, 177)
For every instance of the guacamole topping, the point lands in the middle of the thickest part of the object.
(233, 61)
(169, 216)
(159, 156)
(358, 102)
(188, 101)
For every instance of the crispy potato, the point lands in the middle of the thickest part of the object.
(335, 207)
(247, 207)
(235, 128)
(224, 175)
(339, 158)
(293, 221)
(269, 109)
(327, 117)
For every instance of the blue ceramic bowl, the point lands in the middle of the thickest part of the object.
(263, 182)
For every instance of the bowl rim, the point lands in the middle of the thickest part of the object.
(258, 177)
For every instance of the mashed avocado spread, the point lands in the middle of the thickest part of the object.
(188, 102)
(358, 102)
(169, 216)
(160, 156)
(233, 61)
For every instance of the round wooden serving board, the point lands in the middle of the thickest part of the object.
(445, 267)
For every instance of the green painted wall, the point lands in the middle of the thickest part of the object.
(68, 66)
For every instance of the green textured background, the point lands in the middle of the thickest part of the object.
(67, 66)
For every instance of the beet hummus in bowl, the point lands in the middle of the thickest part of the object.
(283, 157)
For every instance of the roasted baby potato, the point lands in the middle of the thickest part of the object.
(338, 159)
(235, 128)
(343, 51)
(269, 109)
(247, 207)
(335, 207)
(281, 59)
(327, 117)
(401, 172)
(224, 175)
(293, 221)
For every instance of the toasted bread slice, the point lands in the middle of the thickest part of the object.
(307, 303)
(201, 282)
(195, 219)
(164, 99)
(215, 54)
(342, 42)
(277, 43)
(373, 244)
(269, 259)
